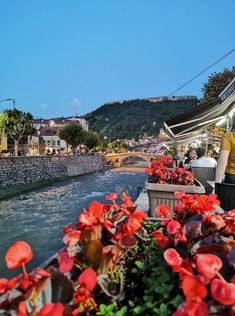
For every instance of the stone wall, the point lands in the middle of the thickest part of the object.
(15, 171)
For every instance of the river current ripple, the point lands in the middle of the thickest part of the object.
(39, 216)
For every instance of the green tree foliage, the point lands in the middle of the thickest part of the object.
(16, 124)
(92, 140)
(135, 118)
(73, 134)
(216, 84)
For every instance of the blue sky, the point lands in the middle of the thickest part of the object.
(62, 57)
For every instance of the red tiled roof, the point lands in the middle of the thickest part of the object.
(49, 131)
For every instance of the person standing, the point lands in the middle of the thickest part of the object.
(226, 161)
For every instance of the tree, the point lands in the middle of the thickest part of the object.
(216, 84)
(73, 134)
(92, 140)
(16, 124)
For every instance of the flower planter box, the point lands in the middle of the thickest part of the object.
(164, 194)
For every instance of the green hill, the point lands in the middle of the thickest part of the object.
(136, 118)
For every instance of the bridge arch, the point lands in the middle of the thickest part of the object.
(131, 155)
(117, 158)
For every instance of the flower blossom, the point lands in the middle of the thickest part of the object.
(223, 292)
(208, 265)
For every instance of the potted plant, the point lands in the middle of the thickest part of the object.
(114, 255)
(199, 246)
(88, 276)
(163, 181)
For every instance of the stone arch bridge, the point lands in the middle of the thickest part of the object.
(117, 159)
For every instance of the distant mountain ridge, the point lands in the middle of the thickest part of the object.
(138, 117)
(157, 99)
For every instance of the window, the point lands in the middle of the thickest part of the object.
(58, 142)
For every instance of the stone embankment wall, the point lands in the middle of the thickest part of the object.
(15, 171)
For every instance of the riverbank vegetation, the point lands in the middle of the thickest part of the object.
(118, 262)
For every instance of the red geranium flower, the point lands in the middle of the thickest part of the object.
(223, 292)
(127, 200)
(193, 287)
(131, 226)
(17, 255)
(208, 265)
(87, 218)
(139, 216)
(161, 240)
(195, 307)
(163, 211)
(173, 226)
(96, 209)
(67, 229)
(88, 279)
(72, 238)
(65, 262)
(111, 197)
(172, 257)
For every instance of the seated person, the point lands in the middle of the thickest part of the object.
(190, 157)
(203, 161)
(226, 162)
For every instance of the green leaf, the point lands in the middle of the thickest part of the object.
(163, 308)
(139, 264)
(138, 310)
(102, 308)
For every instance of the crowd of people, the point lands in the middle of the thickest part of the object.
(223, 160)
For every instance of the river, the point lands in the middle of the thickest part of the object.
(38, 217)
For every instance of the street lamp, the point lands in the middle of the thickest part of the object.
(10, 99)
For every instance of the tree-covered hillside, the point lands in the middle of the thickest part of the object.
(135, 118)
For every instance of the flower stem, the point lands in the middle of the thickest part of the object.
(220, 276)
(24, 271)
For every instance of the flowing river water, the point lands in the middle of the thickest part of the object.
(38, 217)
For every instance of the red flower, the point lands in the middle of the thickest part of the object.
(208, 265)
(172, 257)
(127, 200)
(173, 226)
(19, 253)
(82, 296)
(65, 262)
(195, 307)
(67, 229)
(88, 279)
(180, 195)
(51, 309)
(193, 288)
(72, 238)
(214, 220)
(139, 216)
(111, 197)
(163, 211)
(96, 209)
(161, 240)
(223, 292)
(131, 226)
(87, 218)
(230, 215)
